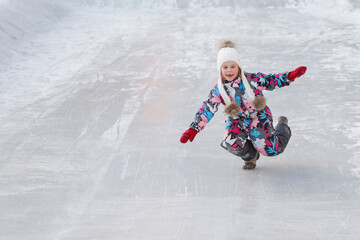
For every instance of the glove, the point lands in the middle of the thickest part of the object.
(296, 73)
(188, 135)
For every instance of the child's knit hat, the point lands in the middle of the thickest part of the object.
(227, 52)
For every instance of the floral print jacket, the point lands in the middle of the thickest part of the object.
(236, 91)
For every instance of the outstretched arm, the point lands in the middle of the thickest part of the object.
(273, 81)
(207, 110)
(204, 115)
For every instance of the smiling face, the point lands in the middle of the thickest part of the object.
(229, 71)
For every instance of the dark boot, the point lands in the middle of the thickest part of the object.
(251, 164)
(283, 132)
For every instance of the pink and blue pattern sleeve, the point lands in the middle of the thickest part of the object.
(207, 110)
(269, 81)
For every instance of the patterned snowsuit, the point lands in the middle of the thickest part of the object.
(251, 130)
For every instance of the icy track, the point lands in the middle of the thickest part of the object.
(94, 96)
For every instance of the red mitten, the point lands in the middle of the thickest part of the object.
(296, 73)
(188, 135)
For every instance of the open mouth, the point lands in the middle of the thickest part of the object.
(229, 75)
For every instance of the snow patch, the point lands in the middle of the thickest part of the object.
(20, 20)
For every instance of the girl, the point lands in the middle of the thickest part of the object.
(249, 125)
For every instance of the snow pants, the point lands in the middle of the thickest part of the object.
(244, 137)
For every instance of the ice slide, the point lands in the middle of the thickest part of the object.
(94, 96)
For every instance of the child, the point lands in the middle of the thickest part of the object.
(249, 125)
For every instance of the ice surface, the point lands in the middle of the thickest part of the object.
(94, 99)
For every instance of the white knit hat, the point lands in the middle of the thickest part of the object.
(227, 53)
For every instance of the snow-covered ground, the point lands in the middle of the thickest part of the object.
(95, 94)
